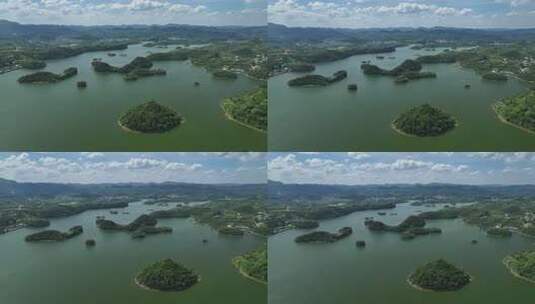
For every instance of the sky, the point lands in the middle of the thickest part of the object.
(115, 12)
(402, 168)
(404, 13)
(87, 168)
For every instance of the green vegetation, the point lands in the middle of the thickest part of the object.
(150, 117)
(444, 57)
(305, 224)
(424, 120)
(324, 236)
(81, 84)
(177, 55)
(54, 235)
(518, 110)
(225, 75)
(499, 232)
(352, 87)
(407, 66)
(231, 231)
(439, 275)
(35, 222)
(253, 265)
(317, 80)
(410, 228)
(167, 275)
(302, 68)
(138, 68)
(495, 76)
(90, 243)
(32, 64)
(47, 77)
(360, 244)
(249, 109)
(142, 221)
(522, 265)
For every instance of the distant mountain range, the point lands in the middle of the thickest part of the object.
(280, 192)
(280, 33)
(15, 190)
(14, 30)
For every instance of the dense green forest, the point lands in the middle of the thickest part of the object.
(249, 108)
(253, 264)
(48, 77)
(522, 264)
(317, 80)
(424, 120)
(54, 235)
(151, 117)
(518, 110)
(167, 275)
(439, 275)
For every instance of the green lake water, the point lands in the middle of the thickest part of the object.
(334, 119)
(61, 117)
(343, 274)
(68, 272)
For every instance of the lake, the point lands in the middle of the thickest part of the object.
(334, 119)
(68, 272)
(343, 274)
(61, 117)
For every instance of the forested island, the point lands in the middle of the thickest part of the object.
(140, 67)
(405, 72)
(249, 109)
(518, 111)
(48, 77)
(424, 120)
(410, 228)
(166, 275)
(54, 235)
(150, 117)
(439, 275)
(324, 236)
(522, 265)
(317, 80)
(253, 265)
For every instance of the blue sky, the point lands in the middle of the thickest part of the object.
(134, 167)
(404, 13)
(113, 12)
(406, 168)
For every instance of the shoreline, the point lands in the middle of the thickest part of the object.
(157, 290)
(126, 129)
(229, 117)
(431, 290)
(514, 273)
(243, 273)
(416, 136)
(505, 121)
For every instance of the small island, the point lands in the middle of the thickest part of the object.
(90, 243)
(439, 275)
(253, 265)
(352, 87)
(410, 228)
(166, 275)
(324, 236)
(138, 68)
(48, 77)
(499, 232)
(150, 117)
(522, 265)
(142, 221)
(223, 74)
(495, 76)
(518, 111)
(81, 84)
(360, 244)
(54, 235)
(317, 80)
(423, 121)
(405, 72)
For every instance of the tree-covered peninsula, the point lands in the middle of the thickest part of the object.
(324, 236)
(410, 228)
(405, 72)
(424, 120)
(518, 111)
(439, 275)
(249, 109)
(522, 265)
(224, 74)
(166, 275)
(150, 117)
(253, 265)
(54, 235)
(48, 77)
(317, 80)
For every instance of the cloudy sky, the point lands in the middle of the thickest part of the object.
(134, 167)
(411, 13)
(113, 12)
(382, 168)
